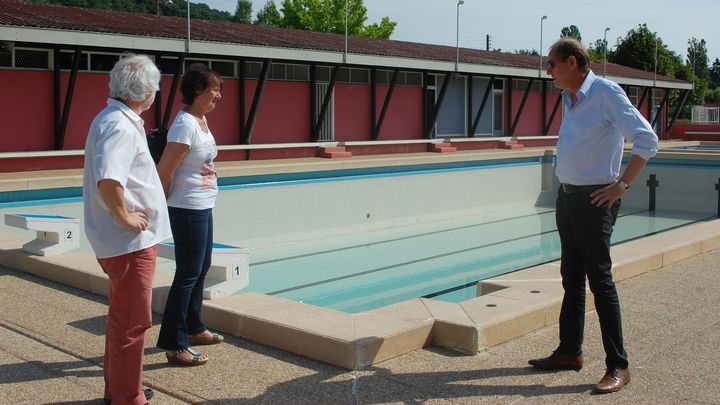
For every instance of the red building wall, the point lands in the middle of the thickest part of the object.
(403, 119)
(27, 109)
(283, 115)
(352, 111)
(284, 112)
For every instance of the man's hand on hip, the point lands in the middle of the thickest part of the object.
(609, 194)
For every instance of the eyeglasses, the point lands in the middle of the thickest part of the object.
(551, 63)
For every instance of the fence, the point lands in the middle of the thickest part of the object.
(705, 115)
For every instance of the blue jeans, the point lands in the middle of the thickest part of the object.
(193, 235)
(585, 232)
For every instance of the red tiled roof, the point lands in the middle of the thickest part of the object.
(44, 16)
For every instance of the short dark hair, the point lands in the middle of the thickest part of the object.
(197, 78)
(567, 47)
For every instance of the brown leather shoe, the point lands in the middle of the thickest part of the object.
(558, 361)
(614, 380)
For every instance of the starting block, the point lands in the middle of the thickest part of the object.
(229, 269)
(55, 234)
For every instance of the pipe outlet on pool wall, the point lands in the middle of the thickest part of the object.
(55, 234)
(229, 270)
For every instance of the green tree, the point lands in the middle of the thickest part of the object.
(531, 52)
(382, 31)
(697, 62)
(713, 96)
(637, 50)
(243, 12)
(269, 15)
(329, 16)
(597, 51)
(571, 32)
(714, 74)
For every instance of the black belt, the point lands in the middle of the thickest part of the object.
(573, 189)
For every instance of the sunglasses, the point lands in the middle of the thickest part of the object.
(551, 63)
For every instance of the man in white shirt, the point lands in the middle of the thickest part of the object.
(126, 217)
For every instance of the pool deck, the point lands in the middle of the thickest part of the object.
(51, 346)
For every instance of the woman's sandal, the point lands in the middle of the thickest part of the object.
(197, 357)
(201, 339)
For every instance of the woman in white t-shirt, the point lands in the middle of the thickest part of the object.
(188, 176)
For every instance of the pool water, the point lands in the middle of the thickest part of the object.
(444, 263)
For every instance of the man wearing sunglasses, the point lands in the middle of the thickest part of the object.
(598, 117)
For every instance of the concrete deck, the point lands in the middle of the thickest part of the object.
(51, 345)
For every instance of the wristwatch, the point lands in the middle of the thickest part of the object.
(623, 185)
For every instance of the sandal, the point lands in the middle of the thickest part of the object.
(197, 357)
(202, 339)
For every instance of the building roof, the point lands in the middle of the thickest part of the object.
(53, 24)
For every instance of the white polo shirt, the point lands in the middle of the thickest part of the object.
(116, 149)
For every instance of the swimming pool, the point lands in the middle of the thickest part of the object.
(358, 239)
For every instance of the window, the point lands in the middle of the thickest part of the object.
(633, 95)
(359, 76)
(322, 74)
(413, 79)
(277, 71)
(289, 72)
(103, 62)
(299, 73)
(32, 58)
(5, 54)
(224, 68)
(167, 66)
(521, 85)
(404, 78)
(65, 60)
(252, 70)
(343, 75)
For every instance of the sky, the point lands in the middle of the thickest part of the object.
(515, 24)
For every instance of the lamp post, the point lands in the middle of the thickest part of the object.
(656, 61)
(540, 51)
(693, 66)
(606, 46)
(187, 45)
(346, 32)
(457, 35)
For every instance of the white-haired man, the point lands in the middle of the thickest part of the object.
(126, 217)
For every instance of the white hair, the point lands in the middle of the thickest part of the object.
(134, 77)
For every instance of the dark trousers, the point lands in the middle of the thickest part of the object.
(585, 239)
(193, 235)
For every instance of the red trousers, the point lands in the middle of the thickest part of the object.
(129, 317)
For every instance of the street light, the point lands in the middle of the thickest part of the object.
(656, 61)
(187, 45)
(693, 66)
(457, 35)
(606, 46)
(346, 32)
(540, 51)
